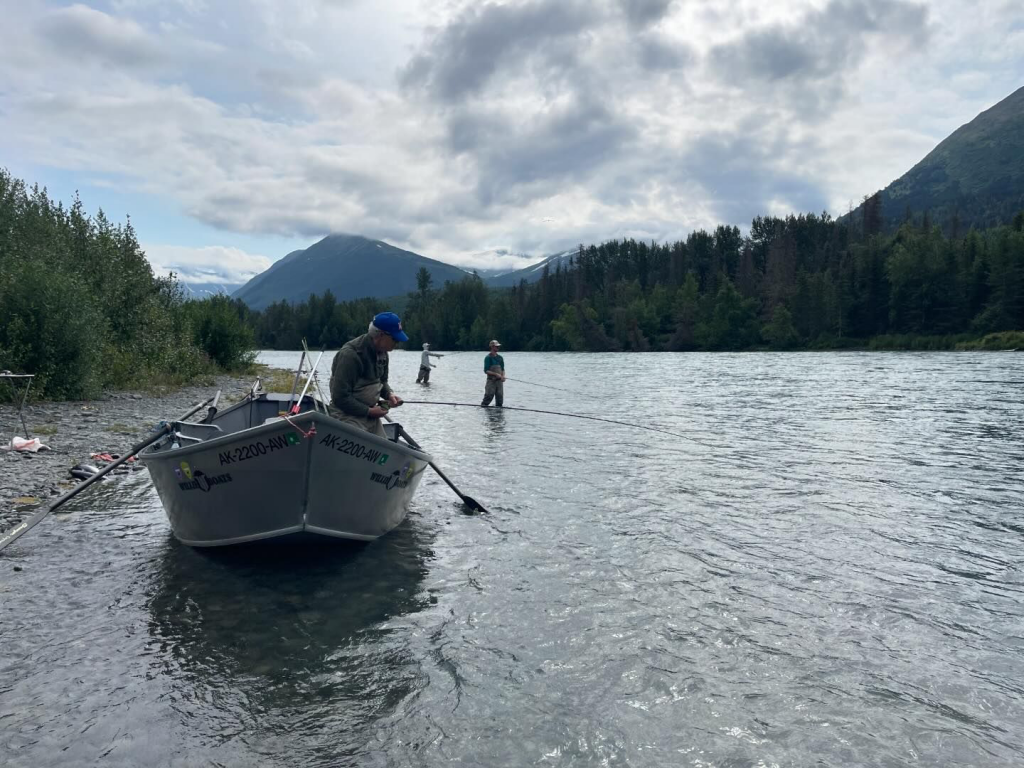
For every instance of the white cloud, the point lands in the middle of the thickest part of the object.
(493, 258)
(208, 264)
(464, 129)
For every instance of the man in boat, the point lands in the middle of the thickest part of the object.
(426, 365)
(494, 368)
(359, 375)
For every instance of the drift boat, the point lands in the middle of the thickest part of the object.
(256, 471)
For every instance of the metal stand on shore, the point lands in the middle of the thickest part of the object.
(28, 385)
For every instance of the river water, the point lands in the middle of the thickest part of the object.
(826, 569)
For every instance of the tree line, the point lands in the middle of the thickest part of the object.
(81, 309)
(795, 282)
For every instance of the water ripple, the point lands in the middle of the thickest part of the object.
(826, 570)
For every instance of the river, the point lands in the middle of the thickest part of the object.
(825, 568)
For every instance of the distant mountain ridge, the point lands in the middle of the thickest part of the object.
(350, 266)
(974, 177)
(533, 272)
(354, 267)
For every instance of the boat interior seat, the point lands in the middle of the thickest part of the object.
(195, 431)
(189, 425)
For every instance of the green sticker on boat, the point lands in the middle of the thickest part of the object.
(292, 438)
(383, 459)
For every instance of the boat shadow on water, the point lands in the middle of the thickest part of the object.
(277, 629)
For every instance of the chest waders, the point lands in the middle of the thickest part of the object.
(495, 389)
(367, 393)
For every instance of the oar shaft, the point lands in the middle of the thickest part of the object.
(211, 411)
(469, 501)
(196, 410)
(25, 526)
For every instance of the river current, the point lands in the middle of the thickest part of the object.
(825, 568)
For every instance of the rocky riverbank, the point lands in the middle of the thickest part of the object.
(76, 430)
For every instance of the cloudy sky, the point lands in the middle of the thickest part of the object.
(235, 131)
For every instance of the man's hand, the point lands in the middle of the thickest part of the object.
(394, 400)
(376, 412)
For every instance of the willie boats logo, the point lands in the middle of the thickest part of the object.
(397, 479)
(197, 480)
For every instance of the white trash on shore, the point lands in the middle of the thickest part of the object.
(32, 445)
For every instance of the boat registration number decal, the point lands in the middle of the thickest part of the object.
(352, 448)
(259, 448)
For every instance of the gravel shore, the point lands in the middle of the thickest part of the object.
(76, 430)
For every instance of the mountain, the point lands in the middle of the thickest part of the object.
(975, 177)
(350, 266)
(532, 273)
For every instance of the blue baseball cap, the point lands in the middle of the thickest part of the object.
(391, 325)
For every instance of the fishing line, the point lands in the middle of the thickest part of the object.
(558, 413)
(557, 389)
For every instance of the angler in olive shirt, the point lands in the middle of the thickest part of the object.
(359, 375)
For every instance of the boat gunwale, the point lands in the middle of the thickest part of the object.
(150, 454)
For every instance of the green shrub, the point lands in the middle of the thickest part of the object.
(995, 341)
(81, 309)
(219, 332)
(50, 326)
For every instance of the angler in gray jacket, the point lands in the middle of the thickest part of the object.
(425, 365)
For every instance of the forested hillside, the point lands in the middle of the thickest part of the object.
(795, 282)
(81, 309)
(973, 178)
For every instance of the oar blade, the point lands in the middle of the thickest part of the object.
(473, 504)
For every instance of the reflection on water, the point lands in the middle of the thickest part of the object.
(303, 630)
(824, 570)
(494, 421)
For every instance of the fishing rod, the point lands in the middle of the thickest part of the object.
(558, 413)
(316, 380)
(295, 408)
(298, 375)
(557, 389)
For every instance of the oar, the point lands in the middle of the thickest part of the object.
(211, 411)
(25, 526)
(469, 501)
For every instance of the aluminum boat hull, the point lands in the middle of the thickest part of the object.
(308, 474)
